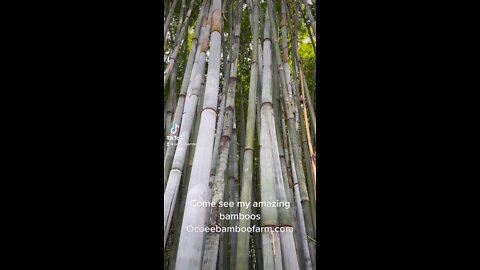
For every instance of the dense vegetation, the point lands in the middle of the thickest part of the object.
(240, 126)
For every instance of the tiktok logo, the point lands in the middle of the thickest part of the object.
(173, 129)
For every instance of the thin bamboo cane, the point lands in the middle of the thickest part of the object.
(307, 98)
(297, 60)
(310, 148)
(180, 20)
(308, 167)
(171, 100)
(292, 132)
(165, 11)
(286, 66)
(307, 25)
(310, 17)
(173, 56)
(298, 233)
(166, 24)
(243, 240)
(289, 110)
(308, 256)
(223, 240)
(287, 241)
(278, 127)
(272, 252)
(259, 86)
(309, 172)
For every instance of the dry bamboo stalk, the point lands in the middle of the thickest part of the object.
(310, 148)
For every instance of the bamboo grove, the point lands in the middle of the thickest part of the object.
(240, 127)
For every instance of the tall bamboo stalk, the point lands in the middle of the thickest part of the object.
(289, 253)
(194, 136)
(278, 127)
(212, 238)
(294, 39)
(297, 61)
(184, 183)
(292, 131)
(310, 165)
(175, 174)
(191, 243)
(247, 164)
(166, 24)
(310, 147)
(250, 6)
(171, 100)
(286, 66)
(185, 176)
(285, 149)
(226, 63)
(272, 253)
(307, 254)
(298, 232)
(186, 85)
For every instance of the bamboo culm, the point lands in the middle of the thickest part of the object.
(243, 240)
(175, 174)
(212, 238)
(191, 247)
(292, 132)
(186, 82)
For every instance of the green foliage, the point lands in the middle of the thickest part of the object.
(307, 56)
(305, 48)
(304, 45)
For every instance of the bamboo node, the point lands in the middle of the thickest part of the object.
(217, 20)
(285, 56)
(204, 47)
